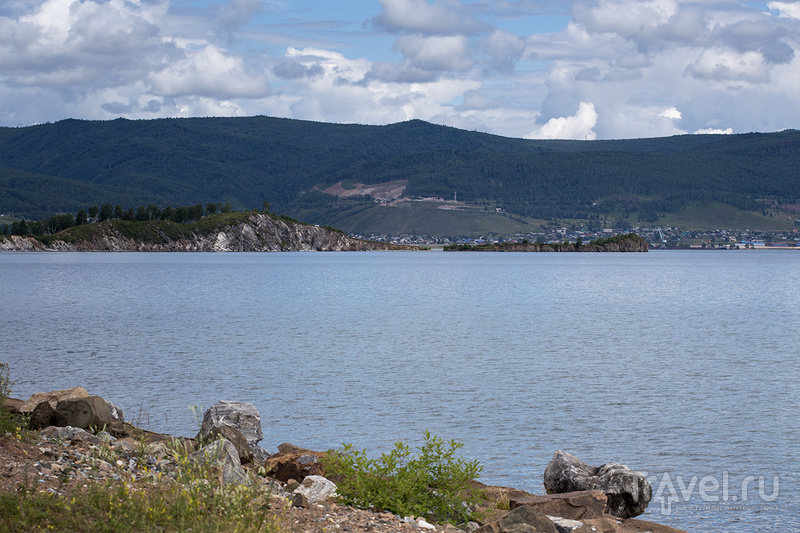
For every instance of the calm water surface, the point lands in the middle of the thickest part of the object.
(681, 364)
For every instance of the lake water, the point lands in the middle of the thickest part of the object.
(681, 364)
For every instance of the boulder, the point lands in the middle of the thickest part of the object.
(42, 416)
(627, 492)
(13, 405)
(241, 415)
(116, 413)
(70, 434)
(53, 398)
(91, 411)
(316, 489)
(523, 519)
(223, 455)
(260, 455)
(565, 525)
(580, 505)
(235, 437)
(294, 463)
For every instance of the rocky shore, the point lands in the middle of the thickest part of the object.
(81, 439)
(250, 232)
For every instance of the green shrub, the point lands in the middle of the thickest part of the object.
(8, 422)
(432, 482)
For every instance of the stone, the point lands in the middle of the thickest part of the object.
(241, 415)
(235, 437)
(633, 525)
(260, 455)
(42, 416)
(296, 463)
(579, 505)
(70, 434)
(316, 489)
(300, 500)
(524, 519)
(53, 398)
(116, 413)
(157, 450)
(565, 525)
(126, 445)
(223, 455)
(91, 411)
(628, 492)
(13, 405)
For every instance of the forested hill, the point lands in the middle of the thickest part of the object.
(72, 164)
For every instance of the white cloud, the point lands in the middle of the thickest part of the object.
(626, 18)
(237, 13)
(579, 126)
(456, 62)
(727, 65)
(712, 131)
(211, 72)
(671, 113)
(786, 9)
(504, 49)
(439, 18)
(436, 53)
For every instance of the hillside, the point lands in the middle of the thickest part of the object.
(296, 165)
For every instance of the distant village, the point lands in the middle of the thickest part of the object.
(658, 237)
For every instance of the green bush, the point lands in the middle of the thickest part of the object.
(8, 422)
(432, 482)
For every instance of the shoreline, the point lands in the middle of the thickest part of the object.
(63, 458)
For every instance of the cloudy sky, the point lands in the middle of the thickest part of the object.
(520, 68)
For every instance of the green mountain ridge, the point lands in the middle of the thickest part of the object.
(72, 164)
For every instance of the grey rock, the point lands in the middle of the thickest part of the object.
(628, 492)
(300, 500)
(69, 433)
(240, 415)
(316, 489)
(116, 413)
(91, 411)
(523, 519)
(52, 398)
(260, 455)
(223, 455)
(42, 416)
(565, 525)
(235, 437)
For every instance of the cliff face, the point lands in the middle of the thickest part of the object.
(257, 233)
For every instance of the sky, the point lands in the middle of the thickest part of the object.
(574, 69)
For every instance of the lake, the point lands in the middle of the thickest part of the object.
(683, 364)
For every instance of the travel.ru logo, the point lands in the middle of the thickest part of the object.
(714, 492)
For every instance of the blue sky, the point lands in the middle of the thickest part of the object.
(520, 68)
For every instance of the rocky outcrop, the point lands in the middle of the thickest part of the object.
(240, 415)
(253, 232)
(628, 492)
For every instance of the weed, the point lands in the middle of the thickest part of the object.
(10, 424)
(433, 482)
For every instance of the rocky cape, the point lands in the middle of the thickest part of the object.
(632, 244)
(233, 232)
